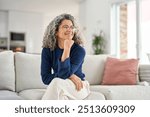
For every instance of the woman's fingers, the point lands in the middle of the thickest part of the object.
(77, 81)
(79, 85)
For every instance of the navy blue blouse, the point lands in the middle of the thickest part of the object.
(51, 65)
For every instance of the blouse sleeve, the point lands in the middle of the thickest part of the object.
(71, 64)
(46, 66)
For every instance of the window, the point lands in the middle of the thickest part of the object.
(130, 25)
(145, 30)
(124, 29)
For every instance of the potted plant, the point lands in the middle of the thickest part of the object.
(98, 43)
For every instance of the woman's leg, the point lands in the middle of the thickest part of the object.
(60, 89)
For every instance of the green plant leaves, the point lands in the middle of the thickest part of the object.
(98, 44)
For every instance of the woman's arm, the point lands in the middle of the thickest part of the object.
(71, 62)
(66, 53)
(46, 64)
(67, 47)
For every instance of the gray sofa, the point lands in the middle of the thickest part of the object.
(20, 79)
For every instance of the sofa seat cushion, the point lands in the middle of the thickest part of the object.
(126, 92)
(95, 96)
(9, 95)
(102, 89)
(32, 94)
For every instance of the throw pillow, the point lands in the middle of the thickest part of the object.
(120, 72)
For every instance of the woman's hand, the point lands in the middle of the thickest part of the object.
(77, 81)
(67, 47)
(68, 44)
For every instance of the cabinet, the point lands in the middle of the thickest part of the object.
(14, 45)
(17, 42)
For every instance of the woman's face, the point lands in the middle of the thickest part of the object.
(65, 30)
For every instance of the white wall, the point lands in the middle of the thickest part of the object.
(95, 16)
(3, 23)
(29, 23)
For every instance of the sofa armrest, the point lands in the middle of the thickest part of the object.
(144, 72)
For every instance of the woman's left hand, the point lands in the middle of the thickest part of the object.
(77, 81)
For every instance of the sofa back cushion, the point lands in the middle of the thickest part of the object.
(144, 72)
(93, 67)
(7, 73)
(28, 71)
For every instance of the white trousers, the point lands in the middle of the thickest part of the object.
(60, 89)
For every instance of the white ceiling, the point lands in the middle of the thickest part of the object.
(44, 6)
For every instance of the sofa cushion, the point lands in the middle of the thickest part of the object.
(32, 94)
(93, 67)
(95, 96)
(123, 92)
(144, 73)
(130, 93)
(120, 72)
(28, 71)
(7, 73)
(102, 89)
(9, 95)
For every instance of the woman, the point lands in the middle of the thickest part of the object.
(62, 58)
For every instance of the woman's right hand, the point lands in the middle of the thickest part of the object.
(77, 81)
(67, 47)
(68, 44)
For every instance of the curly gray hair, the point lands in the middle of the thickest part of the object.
(50, 41)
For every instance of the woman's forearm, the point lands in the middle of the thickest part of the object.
(65, 55)
(67, 47)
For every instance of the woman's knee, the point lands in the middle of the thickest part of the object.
(56, 81)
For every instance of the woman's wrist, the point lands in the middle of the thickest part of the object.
(65, 54)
